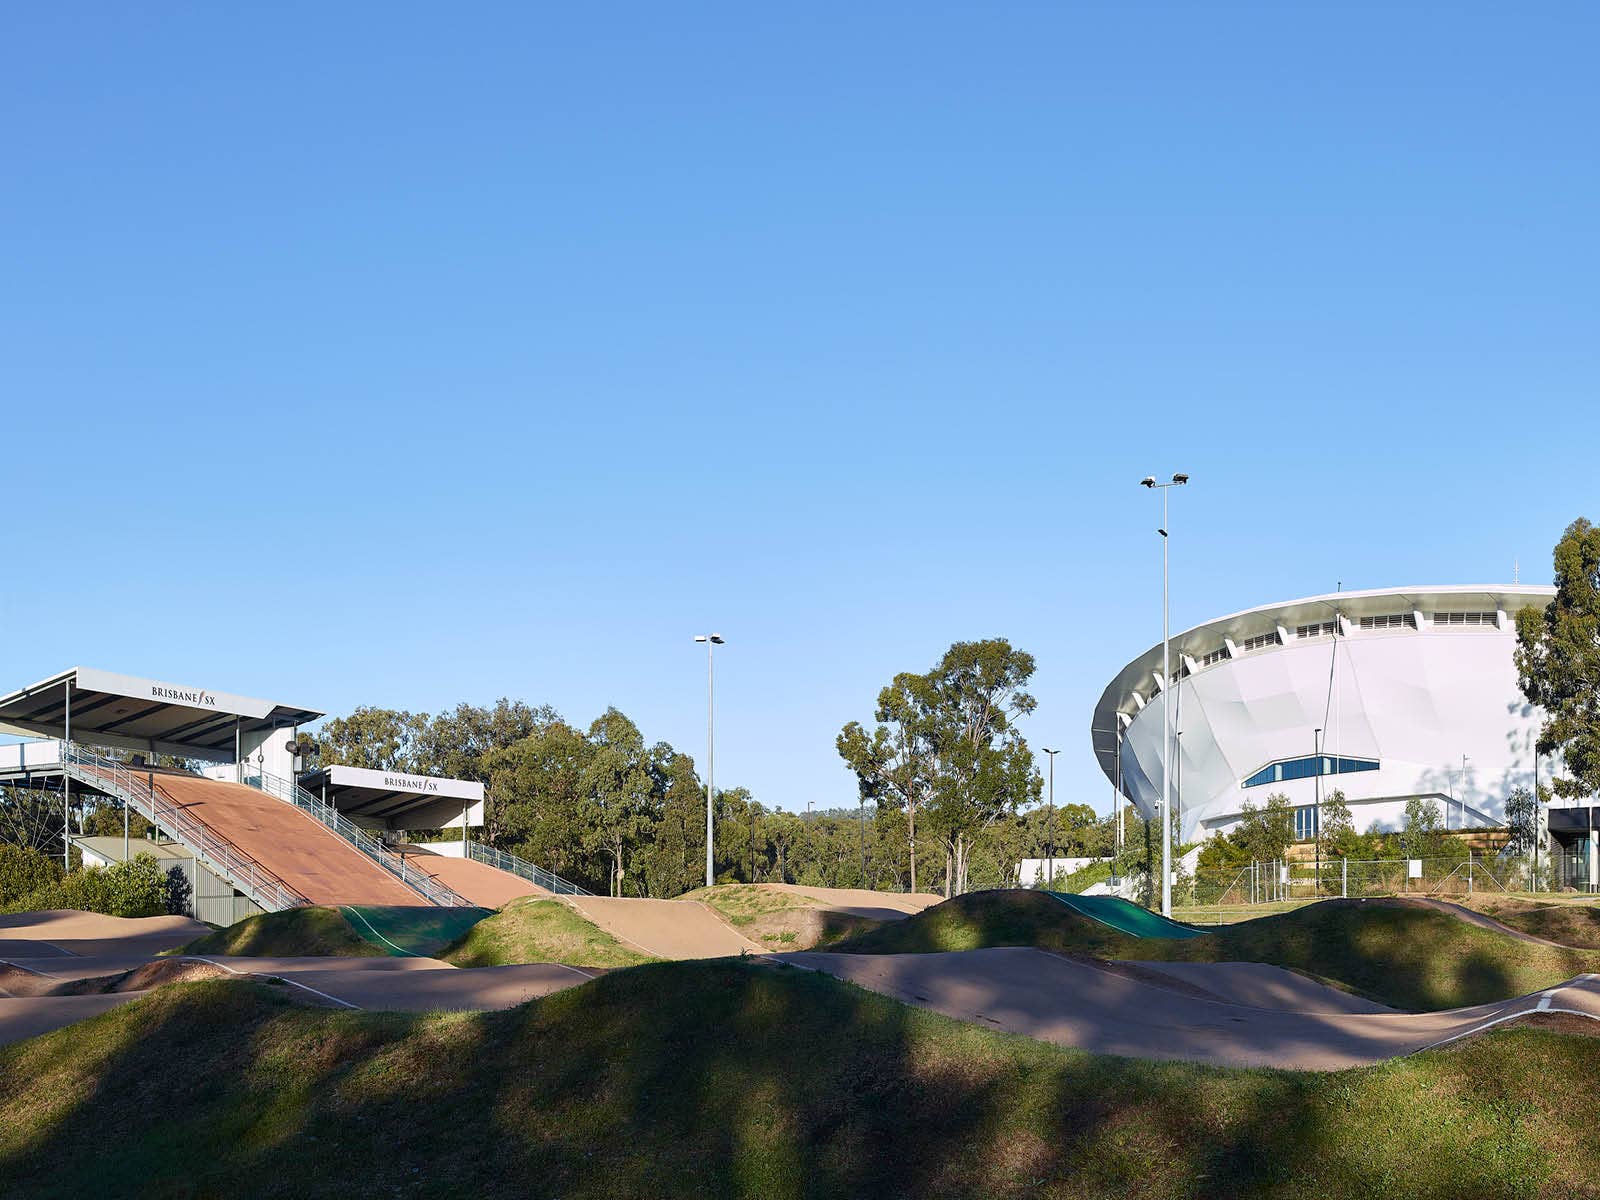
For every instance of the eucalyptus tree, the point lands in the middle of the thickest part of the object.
(380, 739)
(894, 764)
(1558, 662)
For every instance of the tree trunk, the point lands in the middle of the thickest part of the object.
(911, 813)
(947, 875)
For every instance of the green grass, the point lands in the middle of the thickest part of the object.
(729, 1079)
(1409, 958)
(295, 932)
(1232, 914)
(1084, 877)
(778, 919)
(1571, 924)
(530, 929)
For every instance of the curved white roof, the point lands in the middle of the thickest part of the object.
(1137, 683)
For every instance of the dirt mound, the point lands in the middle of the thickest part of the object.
(142, 979)
(15, 982)
(55, 924)
(18, 981)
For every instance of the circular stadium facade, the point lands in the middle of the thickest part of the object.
(1414, 692)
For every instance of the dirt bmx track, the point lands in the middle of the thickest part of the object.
(1198, 1018)
(665, 928)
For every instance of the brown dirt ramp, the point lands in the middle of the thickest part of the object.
(483, 885)
(665, 928)
(306, 855)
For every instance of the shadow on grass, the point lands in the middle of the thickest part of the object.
(724, 1079)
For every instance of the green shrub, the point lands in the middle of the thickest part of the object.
(23, 871)
(179, 893)
(130, 889)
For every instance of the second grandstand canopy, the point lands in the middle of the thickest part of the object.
(124, 711)
(394, 800)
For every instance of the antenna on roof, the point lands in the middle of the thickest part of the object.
(1516, 571)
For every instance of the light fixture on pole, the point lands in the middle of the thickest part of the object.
(1149, 481)
(1050, 838)
(711, 640)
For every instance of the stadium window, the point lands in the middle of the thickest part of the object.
(1308, 768)
(1306, 822)
(1317, 629)
(1387, 621)
(1260, 642)
(1215, 656)
(1446, 620)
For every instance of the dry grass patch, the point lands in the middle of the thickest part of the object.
(777, 919)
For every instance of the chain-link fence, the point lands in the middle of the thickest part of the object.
(1280, 881)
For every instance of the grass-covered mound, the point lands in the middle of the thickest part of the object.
(530, 929)
(730, 1079)
(294, 932)
(1406, 957)
(778, 919)
(1572, 923)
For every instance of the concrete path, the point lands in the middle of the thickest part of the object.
(28, 1017)
(379, 984)
(66, 932)
(1074, 1003)
(424, 986)
(1253, 985)
(665, 928)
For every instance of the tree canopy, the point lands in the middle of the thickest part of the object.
(947, 744)
(1558, 661)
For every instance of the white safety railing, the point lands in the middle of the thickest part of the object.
(224, 859)
(429, 888)
(500, 860)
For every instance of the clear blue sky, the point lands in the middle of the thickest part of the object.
(405, 355)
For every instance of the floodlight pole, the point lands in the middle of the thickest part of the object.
(1149, 481)
(711, 640)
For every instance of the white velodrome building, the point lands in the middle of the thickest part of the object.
(1414, 690)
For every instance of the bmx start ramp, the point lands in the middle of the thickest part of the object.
(483, 885)
(312, 859)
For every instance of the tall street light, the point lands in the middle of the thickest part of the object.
(711, 640)
(1050, 838)
(1149, 481)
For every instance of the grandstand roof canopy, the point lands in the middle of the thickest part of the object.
(395, 799)
(143, 714)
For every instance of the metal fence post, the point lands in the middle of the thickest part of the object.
(1344, 879)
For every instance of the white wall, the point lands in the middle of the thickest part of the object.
(1414, 701)
(1034, 871)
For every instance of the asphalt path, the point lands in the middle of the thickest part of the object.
(1101, 1009)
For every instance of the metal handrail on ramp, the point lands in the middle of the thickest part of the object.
(215, 852)
(362, 840)
(510, 863)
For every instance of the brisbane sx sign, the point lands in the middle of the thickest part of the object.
(411, 783)
(193, 698)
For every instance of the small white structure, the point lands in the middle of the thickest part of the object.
(1035, 872)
